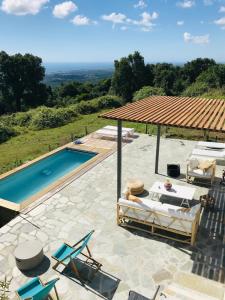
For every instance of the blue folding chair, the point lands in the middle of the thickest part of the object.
(66, 255)
(36, 290)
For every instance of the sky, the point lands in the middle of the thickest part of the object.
(105, 30)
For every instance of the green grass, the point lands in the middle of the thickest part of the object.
(31, 144)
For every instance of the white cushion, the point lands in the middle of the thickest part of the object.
(200, 173)
(193, 163)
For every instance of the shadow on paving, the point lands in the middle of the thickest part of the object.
(209, 252)
(40, 269)
(100, 283)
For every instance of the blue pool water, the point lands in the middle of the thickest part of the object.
(34, 178)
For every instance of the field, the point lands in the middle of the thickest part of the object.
(31, 144)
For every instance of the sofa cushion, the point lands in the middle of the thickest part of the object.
(193, 163)
(201, 173)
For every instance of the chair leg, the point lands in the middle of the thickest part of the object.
(74, 268)
(56, 293)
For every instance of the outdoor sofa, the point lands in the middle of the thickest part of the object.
(161, 219)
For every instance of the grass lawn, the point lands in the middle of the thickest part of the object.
(31, 144)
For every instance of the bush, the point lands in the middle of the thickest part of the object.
(108, 102)
(196, 89)
(87, 107)
(52, 117)
(6, 133)
(148, 91)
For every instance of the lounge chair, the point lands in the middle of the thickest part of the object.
(36, 290)
(66, 255)
(107, 133)
(129, 131)
(216, 154)
(211, 145)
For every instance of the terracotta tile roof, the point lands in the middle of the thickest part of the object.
(186, 112)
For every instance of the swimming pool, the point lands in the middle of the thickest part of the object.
(30, 180)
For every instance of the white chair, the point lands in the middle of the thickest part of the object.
(194, 171)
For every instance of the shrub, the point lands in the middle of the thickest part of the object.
(87, 107)
(147, 91)
(52, 117)
(6, 133)
(196, 89)
(108, 102)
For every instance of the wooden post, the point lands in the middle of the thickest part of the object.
(119, 158)
(157, 150)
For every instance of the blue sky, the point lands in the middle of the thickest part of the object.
(104, 30)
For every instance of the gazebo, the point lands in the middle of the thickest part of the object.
(183, 112)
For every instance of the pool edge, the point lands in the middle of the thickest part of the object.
(46, 193)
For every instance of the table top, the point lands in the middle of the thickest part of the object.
(28, 249)
(178, 191)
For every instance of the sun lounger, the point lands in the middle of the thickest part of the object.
(129, 131)
(211, 145)
(216, 154)
(110, 133)
(36, 290)
(66, 255)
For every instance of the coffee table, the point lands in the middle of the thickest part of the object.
(178, 191)
(29, 255)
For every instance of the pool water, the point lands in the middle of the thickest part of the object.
(34, 178)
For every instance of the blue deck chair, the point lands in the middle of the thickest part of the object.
(36, 290)
(66, 255)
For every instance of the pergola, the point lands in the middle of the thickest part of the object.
(183, 112)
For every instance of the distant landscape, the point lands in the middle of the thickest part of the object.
(49, 105)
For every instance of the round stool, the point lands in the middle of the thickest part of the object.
(29, 255)
(135, 186)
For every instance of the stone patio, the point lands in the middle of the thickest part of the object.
(131, 260)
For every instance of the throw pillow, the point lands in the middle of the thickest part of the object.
(193, 163)
(134, 199)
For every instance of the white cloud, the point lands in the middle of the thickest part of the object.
(22, 7)
(220, 22)
(140, 4)
(222, 9)
(124, 28)
(180, 23)
(80, 20)
(196, 39)
(186, 3)
(64, 9)
(115, 18)
(145, 22)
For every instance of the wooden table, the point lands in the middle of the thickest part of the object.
(177, 191)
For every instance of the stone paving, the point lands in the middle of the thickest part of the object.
(130, 260)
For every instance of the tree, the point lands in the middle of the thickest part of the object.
(123, 79)
(214, 76)
(147, 91)
(165, 76)
(138, 68)
(196, 89)
(20, 80)
(193, 69)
